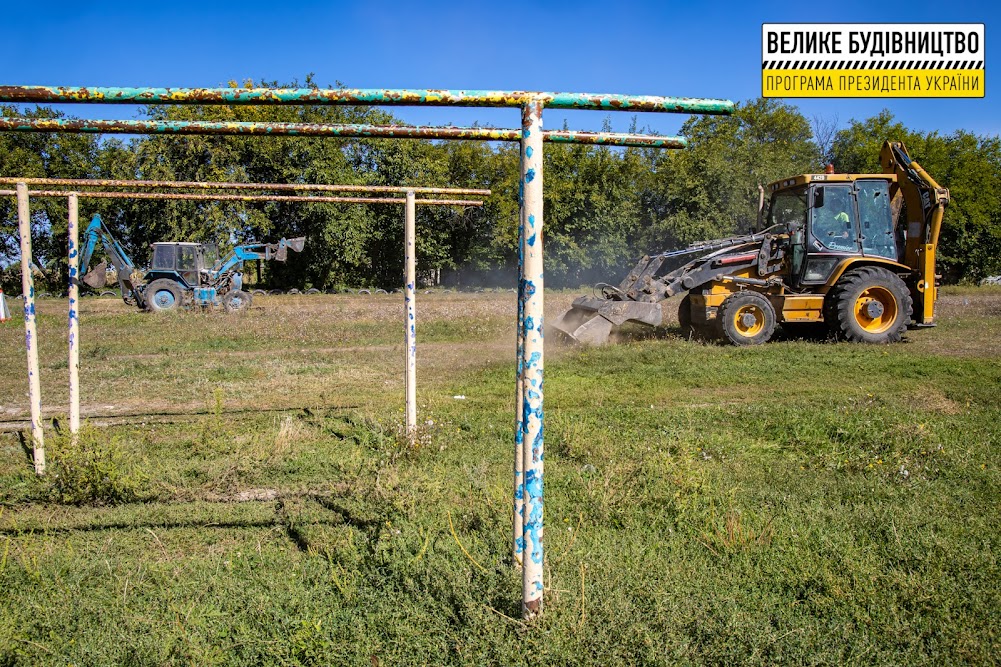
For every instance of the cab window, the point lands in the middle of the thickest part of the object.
(163, 257)
(874, 214)
(834, 225)
(186, 258)
(788, 208)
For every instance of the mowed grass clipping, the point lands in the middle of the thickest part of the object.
(793, 503)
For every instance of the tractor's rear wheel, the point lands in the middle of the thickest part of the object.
(869, 305)
(236, 300)
(746, 318)
(163, 296)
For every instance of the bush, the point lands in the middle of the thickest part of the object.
(90, 469)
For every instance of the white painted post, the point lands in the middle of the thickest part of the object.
(518, 523)
(73, 232)
(410, 336)
(532, 359)
(30, 334)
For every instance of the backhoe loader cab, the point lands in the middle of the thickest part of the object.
(835, 257)
(831, 219)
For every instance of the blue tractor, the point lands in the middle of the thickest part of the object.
(181, 275)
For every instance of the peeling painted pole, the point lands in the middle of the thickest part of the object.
(30, 334)
(532, 357)
(518, 523)
(73, 232)
(248, 128)
(226, 185)
(436, 97)
(185, 196)
(410, 335)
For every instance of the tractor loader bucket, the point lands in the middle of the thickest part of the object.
(590, 320)
(296, 244)
(97, 277)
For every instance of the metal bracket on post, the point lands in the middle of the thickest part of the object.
(531, 361)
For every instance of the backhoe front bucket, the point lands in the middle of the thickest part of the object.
(590, 320)
(97, 277)
(297, 243)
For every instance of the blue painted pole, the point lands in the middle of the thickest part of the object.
(249, 129)
(410, 331)
(532, 358)
(30, 333)
(518, 523)
(73, 232)
(361, 96)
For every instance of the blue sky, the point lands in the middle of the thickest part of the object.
(641, 47)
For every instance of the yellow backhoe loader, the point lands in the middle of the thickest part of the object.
(844, 255)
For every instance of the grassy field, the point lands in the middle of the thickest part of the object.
(241, 494)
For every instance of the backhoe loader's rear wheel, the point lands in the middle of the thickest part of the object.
(163, 296)
(869, 305)
(236, 300)
(746, 318)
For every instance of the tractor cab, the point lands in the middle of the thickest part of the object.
(182, 262)
(833, 217)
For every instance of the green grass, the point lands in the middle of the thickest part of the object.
(793, 503)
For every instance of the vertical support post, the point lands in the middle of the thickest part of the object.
(73, 232)
(410, 336)
(30, 335)
(532, 357)
(518, 518)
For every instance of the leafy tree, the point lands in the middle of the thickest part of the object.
(711, 188)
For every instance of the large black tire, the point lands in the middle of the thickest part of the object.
(869, 305)
(163, 296)
(746, 318)
(685, 316)
(236, 300)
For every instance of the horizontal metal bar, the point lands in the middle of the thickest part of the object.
(324, 130)
(245, 198)
(362, 96)
(204, 185)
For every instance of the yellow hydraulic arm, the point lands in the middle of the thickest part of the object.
(925, 205)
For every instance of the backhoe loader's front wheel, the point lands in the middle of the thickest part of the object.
(685, 316)
(163, 296)
(869, 305)
(746, 318)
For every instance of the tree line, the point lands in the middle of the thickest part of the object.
(604, 207)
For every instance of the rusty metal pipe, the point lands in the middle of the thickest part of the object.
(204, 185)
(245, 128)
(360, 96)
(247, 198)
